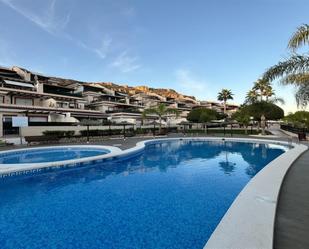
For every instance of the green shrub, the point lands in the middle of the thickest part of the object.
(69, 133)
(256, 110)
(58, 133)
(299, 119)
(227, 131)
(203, 115)
(95, 133)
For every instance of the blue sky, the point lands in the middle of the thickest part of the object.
(195, 47)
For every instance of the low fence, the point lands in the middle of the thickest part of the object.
(145, 129)
(301, 132)
(102, 130)
(65, 134)
(293, 129)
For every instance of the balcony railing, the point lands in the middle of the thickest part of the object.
(79, 95)
(124, 110)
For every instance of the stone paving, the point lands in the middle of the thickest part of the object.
(292, 216)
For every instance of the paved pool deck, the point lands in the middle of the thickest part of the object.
(292, 216)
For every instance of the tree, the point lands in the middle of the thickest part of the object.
(203, 115)
(295, 69)
(300, 37)
(224, 96)
(269, 92)
(160, 110)
(262, 87)
(251, 97)
(242, 118)
(258, 109)
(298, 119)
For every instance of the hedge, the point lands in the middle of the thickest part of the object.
(94, 133)
(227, 131)
(59, 133)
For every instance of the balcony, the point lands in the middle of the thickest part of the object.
(61, 91)
(124, 110)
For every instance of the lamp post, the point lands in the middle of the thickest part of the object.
(124, 131)
(263, 124)
(88, 129)
(109, 119)
(251, 119)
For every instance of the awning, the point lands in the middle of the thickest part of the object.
(17, 83)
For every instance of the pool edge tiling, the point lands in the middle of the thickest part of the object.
(11, 170)
(26, 168)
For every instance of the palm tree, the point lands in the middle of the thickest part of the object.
(224, 96)
(295, 69)
(263, 88)
(269, 92)
(251, 97)
(160, 110)
(300, 37)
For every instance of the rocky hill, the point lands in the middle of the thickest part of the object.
(168, 93)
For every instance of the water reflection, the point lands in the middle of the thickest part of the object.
(161, 157)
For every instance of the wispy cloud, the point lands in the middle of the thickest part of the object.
(48, 19)
(54, 20)
(126, 63)
(189, 84)
(104, 49)
(129, 12)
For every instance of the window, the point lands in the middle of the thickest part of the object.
(37, 119)
(23, 101)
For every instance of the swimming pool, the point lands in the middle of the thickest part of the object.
(50, 154)
(172, 195)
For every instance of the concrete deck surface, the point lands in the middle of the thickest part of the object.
(292, 216)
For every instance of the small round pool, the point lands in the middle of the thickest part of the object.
(49, 154)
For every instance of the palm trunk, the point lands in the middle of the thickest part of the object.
(224, 107)
(160, 124)
(263, 124)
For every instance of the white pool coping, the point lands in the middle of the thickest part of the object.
(12, 168)
(248, 223)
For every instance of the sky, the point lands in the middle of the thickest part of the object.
(196, 47)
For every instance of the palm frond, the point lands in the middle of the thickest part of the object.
(276, 100)
(295, 79)
(299, 38)
(294, 65)
(149, 111)
(172, 111)
(302, 95)
(225, 94)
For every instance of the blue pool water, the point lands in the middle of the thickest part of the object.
(49, 155)
(172, 195)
